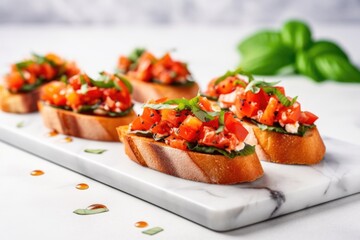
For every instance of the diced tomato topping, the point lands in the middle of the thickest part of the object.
(31, 71)
(190, 128)
(148, 68)
(205, 104)
(289, 115)
(173, 117)
(176, 142)
(268, 115)
(54, 93)
(14, 81)
(235, 126)
(307, 118)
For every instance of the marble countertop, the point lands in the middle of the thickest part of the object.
(41, 207)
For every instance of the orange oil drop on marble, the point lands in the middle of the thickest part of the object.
(37, 173)
(82, 186)
(53, 133)
(141, 224)
(68, 139)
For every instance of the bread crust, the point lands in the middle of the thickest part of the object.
(19, 102)
(208, 168)
(144, 91)
(291, 149)
(91, 127)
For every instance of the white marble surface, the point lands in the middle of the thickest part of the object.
(27, 197)
(283, 188)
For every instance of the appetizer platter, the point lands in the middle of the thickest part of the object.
(241, 153)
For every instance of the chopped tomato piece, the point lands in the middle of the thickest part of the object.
(152, 115)
(235, 126)
(54, 93)
(190, 128)
(47, 71)
(176, 142)
(14, 81)
(141, 124)
(268, 115)
(245, 108)
(289, 115)
(307, 118)
(205, 104)
(124, 63)
(173, 117)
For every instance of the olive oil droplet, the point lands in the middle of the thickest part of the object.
(68, 139)
(37, 173)
(82, 186)
(141, 224)
(53, 133)
(96, 206)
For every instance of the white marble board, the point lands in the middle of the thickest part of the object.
(283, 189)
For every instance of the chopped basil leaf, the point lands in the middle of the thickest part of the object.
(247, 150)
(90, 211)
(64, 78)
(42, 59)
(104, 81)
(20, 124)
(255, 85)
(88, 108)
(30, 87)
(136, 54)
(159, 106)
(95, 151)
(221, 122)
(125, 81)
(234, 73)
(23, 64)
(281, 97)
(212, 98)
(153, 231)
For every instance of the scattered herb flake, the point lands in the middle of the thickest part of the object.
(20, 124)
(95, 151)
(81, 211)
(153, 231)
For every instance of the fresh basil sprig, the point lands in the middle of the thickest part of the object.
(293, 49)
(234, 73)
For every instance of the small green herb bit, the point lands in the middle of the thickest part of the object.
(20, 124)
(81, 211)
(153, 231)
(95, 151)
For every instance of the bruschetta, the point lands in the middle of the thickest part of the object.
(20, 92)
(88, 108)
(191, 139)
(282, 131)
(155, 78)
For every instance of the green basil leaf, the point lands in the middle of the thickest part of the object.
(125, 81)
(221, 121)
(234, 73)
(268, 62)
(23, 64)
(85, 211)
(29, 87)
(325, 47)
(337, 68)
(255, 86)
(296, 34)
(95, 151)
(258, 42)
(20, 124)
(153, 231)
(159, 106)
(247, 150)
(136, 54)
(201, 114)
(88, 108)
(42, 59)
(306, 66)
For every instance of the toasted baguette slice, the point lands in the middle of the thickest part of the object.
(289, 149)
(84, 126)
(190, 165)
(143, 91)
(19, 102)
